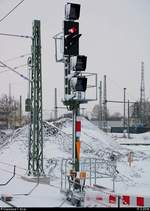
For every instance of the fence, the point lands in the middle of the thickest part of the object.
(95, 169)
(95, 198)
(135, 130)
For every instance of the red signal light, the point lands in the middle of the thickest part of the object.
(73, 30)
(71, 38)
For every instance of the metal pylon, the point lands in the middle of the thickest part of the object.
(142, 95)
(100, 113)
(35, 161)
(105, 105)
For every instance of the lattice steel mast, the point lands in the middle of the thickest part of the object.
(100, 113)
(142, 95)
(35, 162)
(105, 105)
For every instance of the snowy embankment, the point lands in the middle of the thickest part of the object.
(57, 145)
(58, 142)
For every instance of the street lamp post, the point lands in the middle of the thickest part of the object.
(124, 111)
(128, 119)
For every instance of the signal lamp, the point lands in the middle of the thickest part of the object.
(78, 63)
(79, 83)
(71, 38)
(72, 11)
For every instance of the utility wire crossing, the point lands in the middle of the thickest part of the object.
(12, 69)
(16, 35)
(11, 11)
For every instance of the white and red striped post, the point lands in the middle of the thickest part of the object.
(76, 139)
(77, 142)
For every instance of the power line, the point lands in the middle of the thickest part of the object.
(12, 69)
(11, 11)
(17, 67)
(118, 101)
(15, 35)
(14, 58)
(118, 86)
(18, 57)
(3, 71)
(22, 65)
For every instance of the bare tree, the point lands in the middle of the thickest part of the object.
(96, 111)
(8, 108)
(136, 113)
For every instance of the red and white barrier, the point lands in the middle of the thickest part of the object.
(100, 199)
(134, 201)
(94, 198)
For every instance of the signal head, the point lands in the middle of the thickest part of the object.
(72, 11)
(78, 63)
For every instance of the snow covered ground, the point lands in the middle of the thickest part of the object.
(95, 143)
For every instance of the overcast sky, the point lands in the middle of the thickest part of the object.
(115, 38)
